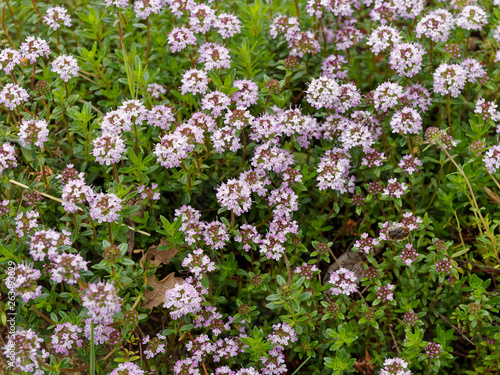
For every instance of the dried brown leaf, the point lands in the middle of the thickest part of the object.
(364, 366)
(156, 296)
(158, 257)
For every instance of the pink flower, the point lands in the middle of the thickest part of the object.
(33, 48)
(227, 25)
(105, 207)
(155, 90)
(13, 95)
(235, 196)
(102, 302)
(56, 17)
(343, 281)
(323, 92)
(406, 59)
(449, 79)
(215, 102)
(66, 66)
(180, 38)
(194, 81)
(213, 56)
(406, 121)
(108, 149)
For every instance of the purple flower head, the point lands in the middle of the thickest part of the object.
(410, 319)
(178, 7)
(66, 66)
(487, 110)
(285, 200)
(105, 207)
(247, 93)
(395, 366)
(323, 92)
(33, 132)
(302, 43)
(114, 123)
(406, 59)
(214, 56)
(435, 136)
(472, 17)
(46, 243)
(26, 222)
(155, 345)
(149, 192)
(247, 235)
(183, 299)
(474, 71)
(332, 67)
(13, 95)
(387, 95)
(373, 158)
(180, 38)
(333, 171)
(102, 302)
(282, 335)
(235, 196)
(155, 90)
(201, 19)
(418, 97)
(288, 26)
(144, 8)
(66, 268)
(172, 150)
(9, 59)
(194, 81)
(75, 192)
(382, 38)
(33, 48)
(272, 158)
(343, 281)
(108, 149)
(215, 102)
(7, 157)
(199, 264)
(492, 159)
(28, 355)
(436, 26)
(410, 164)
(366, 244)
(65, 336)
(444, 266)
(394, 189)
(227, 25)
(216, 234)
(161, 116)
(307, 270)
(24, 282)
(409, 255)
(449, 79)
(433, 350)
(273, 245)
(127, 368)
(347, 35)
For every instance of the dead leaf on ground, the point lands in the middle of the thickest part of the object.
(156, 296)
(494, 196)
(364, 366)
(158, 257)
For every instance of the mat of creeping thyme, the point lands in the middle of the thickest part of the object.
(250, 187)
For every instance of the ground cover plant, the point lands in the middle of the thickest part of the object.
(250, 187)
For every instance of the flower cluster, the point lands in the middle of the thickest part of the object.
(343, 281)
